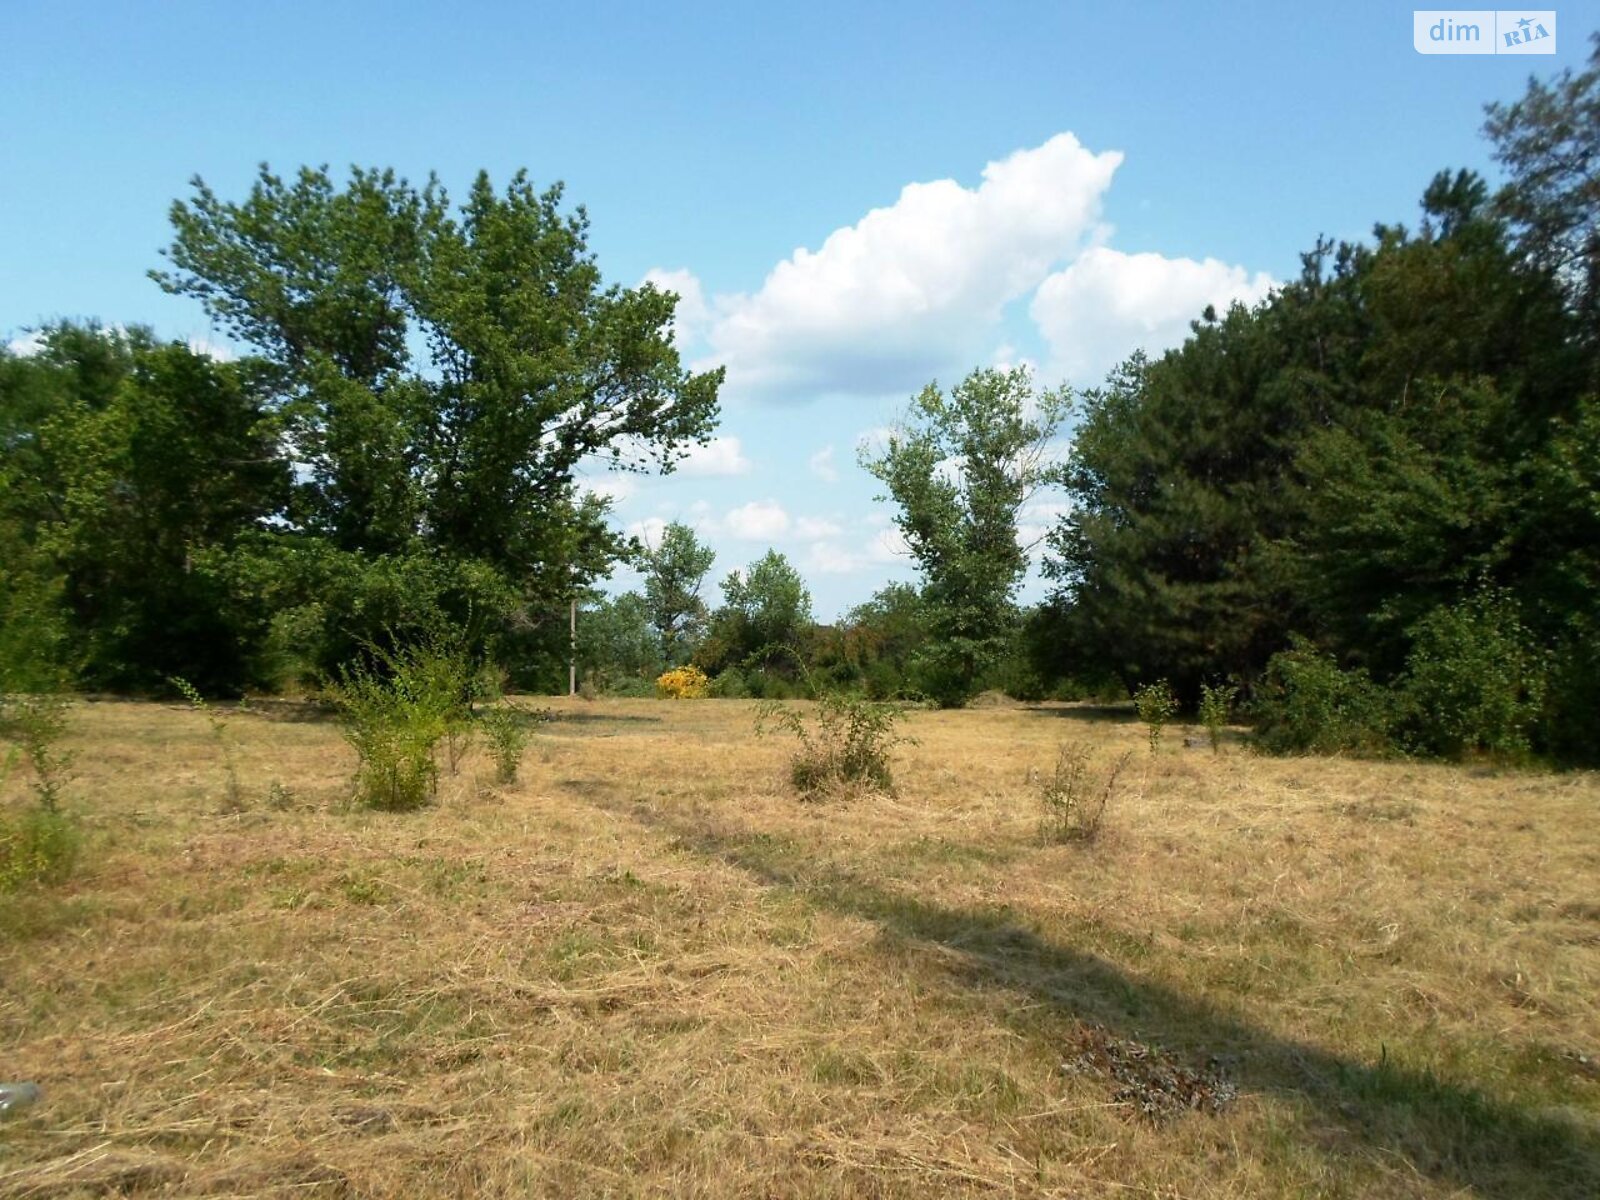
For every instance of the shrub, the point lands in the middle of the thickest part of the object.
(683, 683)
(730, 685)
(36, 724)
(1472, 683)
(39, 846)
(1155, 705)
(506, 728)
(394, 711)
(1216, 705)
(1307, 705)
(1074, 801)
(844, 748)
(763, 684)
(220, 734)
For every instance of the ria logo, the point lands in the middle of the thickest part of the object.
(1528, 30)
(1483, 31)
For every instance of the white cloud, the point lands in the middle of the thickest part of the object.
(888, 546)
(204, 345)
(875, 441)
(1107, 304)
(27, 345)
(692, 315)
(1036, 520)
(615, 488)
(821, 464)
(829, 558)
(649, 530)
(30, 344)
(757, 521)
(907, 290)
(813, 529)
(721, 456)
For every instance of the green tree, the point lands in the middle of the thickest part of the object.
(882, 638)
(618, 645)
(960, 468)
(1338, 461)
(130, 465)
(443, 372)
(674, 570)
(765, 614)
(1548, 141)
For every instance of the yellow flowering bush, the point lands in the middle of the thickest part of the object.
(683, 683)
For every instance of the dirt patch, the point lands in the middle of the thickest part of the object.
(1150, 1081)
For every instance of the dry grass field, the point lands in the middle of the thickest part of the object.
(648, 970)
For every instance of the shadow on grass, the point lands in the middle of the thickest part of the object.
(282, 710)
(1441, 1129)
(1116, 714)
(565, 717)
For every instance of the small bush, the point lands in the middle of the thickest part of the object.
(1307, 705)
(506, 728)
(394, 711)
(227, 748)
(1155, 705)
(39, 846)
(1472, 683)
(683, 683)
(36, 723)
(844, 748)
(730, 685)
(1216, 706)
(1074, 801)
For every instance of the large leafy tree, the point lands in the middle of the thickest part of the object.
(442, 373)
(764, 619)
(960, 468)
(1338, 461)
(674, 570)
(129, 465)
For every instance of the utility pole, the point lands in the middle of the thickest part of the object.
(572, 662)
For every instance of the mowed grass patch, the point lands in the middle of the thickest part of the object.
(647, 969)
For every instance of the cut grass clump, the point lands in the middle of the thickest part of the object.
(1151, 1083)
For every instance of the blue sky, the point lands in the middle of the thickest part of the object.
(854, 199)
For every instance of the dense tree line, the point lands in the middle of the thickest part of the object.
(400, 449)
(1371, 503)
(1377, 490)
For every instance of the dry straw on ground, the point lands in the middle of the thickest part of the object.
(646, 970)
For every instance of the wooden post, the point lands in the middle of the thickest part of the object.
(572, 663)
